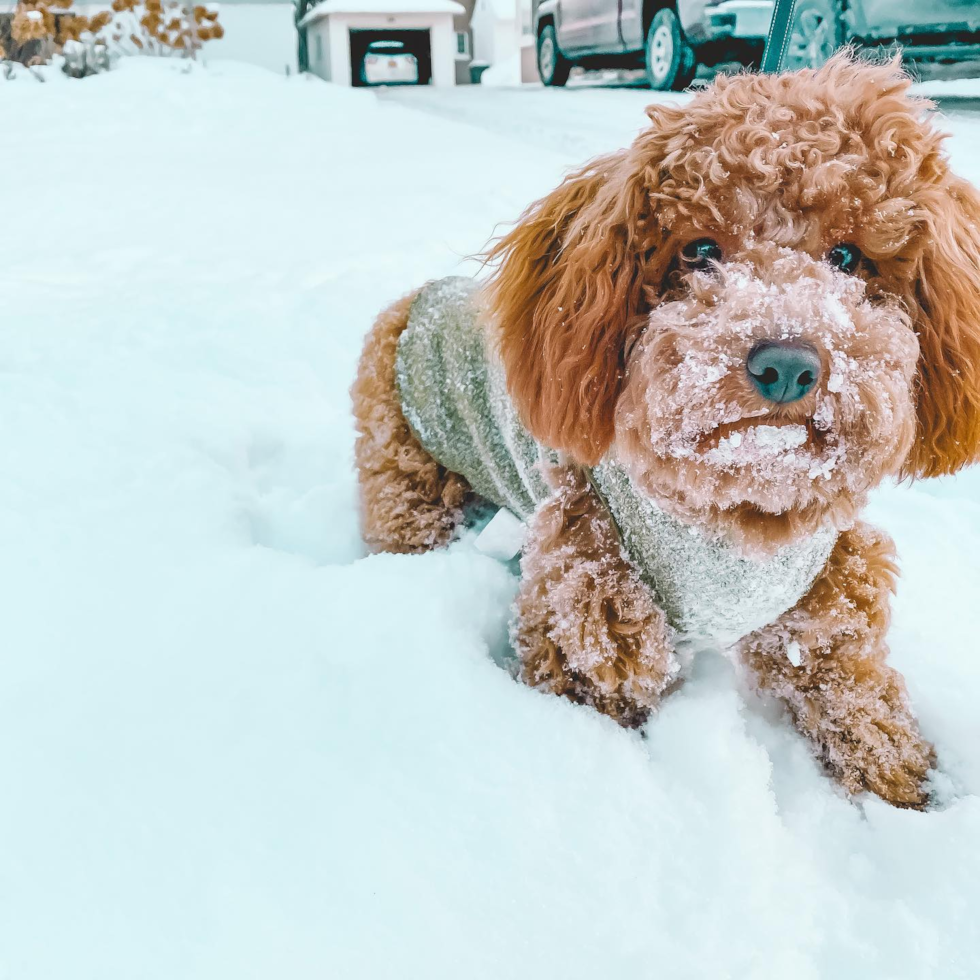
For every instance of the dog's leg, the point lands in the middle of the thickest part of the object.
(409, 503)
(826, 659)
(586, 626)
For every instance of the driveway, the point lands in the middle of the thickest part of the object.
(586, 119)
(577, 122)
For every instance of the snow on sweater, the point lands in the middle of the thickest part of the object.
(454, 395)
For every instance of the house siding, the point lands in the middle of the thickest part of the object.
(462, 24)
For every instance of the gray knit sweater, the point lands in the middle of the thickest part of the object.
(454, 396)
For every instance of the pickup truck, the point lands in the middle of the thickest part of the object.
(670, 38)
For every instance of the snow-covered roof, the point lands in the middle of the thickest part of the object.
(329, 7)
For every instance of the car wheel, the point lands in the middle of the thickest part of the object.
(814, 35)
(670, 59)
(553, 66)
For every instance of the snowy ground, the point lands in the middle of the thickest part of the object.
(231, 746)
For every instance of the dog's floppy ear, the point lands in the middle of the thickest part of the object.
(569, 285)
(945, 303)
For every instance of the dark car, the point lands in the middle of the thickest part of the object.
(925, 30)
(670, 39)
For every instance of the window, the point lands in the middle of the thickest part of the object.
(462, 45)
(527, 18)
(319, 47)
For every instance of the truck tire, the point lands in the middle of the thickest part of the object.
(815, 33)
(670, 60)
(553, 66)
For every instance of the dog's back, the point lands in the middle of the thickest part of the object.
(453, 393)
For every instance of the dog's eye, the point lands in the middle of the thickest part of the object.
(700, 253)
(846, 257)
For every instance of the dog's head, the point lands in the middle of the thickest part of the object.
(766, 304)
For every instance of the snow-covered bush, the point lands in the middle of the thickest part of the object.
(163, 27)
(85, 56)
(40, 28)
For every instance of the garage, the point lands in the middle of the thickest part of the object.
(416, 42)
(339, 33)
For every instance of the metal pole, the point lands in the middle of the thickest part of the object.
(782, 17)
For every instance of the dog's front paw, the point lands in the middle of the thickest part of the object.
(587, 627)
(596, 635)
(612, 634)
(878, 747)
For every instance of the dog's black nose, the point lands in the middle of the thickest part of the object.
(783, 372)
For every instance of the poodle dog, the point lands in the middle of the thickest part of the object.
(691, 363)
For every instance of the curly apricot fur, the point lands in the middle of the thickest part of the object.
(409, 502)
